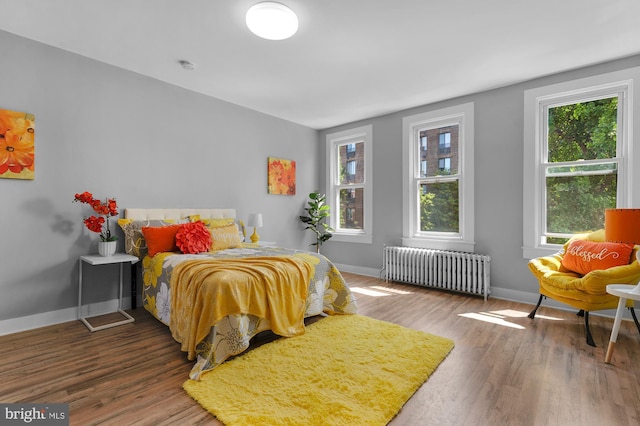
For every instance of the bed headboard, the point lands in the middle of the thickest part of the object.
(177, 214)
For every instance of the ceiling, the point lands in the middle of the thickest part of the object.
(351, 59)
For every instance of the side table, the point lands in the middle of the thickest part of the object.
(623, 291)
(118, 258)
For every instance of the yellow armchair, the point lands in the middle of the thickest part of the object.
(585, 292)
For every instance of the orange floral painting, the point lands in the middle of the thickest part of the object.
(17, 136)
(281, 176)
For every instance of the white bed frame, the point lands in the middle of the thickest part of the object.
(177, 214)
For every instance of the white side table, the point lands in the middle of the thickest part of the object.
(623, 292)
(119, 258)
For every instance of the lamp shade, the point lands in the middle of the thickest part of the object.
(622, 225)
(255, 220)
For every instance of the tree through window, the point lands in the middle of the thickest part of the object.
(581, 168)
(578, 160)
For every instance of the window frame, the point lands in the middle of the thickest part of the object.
(463, 116)
(536, 104)
(362, 134)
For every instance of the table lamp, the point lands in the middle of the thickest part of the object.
(255, 220)
(623, 226)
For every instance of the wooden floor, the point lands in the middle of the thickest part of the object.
(505, 369)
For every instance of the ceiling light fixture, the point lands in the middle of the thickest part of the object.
(272, 21)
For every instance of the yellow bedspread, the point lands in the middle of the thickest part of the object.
(205, 291)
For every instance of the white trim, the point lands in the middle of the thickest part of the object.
(30, 322)
(360, 270)
(463, 116)
(496, 293)
(535, 101)
(359, 134)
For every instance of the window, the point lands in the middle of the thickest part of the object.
(438, 179)
(351, 169)
(444, 143)
(444, 165)
(349, 184)
(423, 167)
(350, 214)
(576, 158)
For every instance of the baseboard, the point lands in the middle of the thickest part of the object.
(15, 325)
(532, 299)
(367, 272)
(30, 322)
(497, 293)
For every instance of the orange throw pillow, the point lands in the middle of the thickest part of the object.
(160, 238)
(585, 256)
(193, 238)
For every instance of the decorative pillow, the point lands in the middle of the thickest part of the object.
(193, 238)
(583, 256)
(134, 242)
(160, 238)
(225, 237)
(217, 222)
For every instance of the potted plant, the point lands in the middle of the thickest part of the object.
(317, 212)
(96, 223)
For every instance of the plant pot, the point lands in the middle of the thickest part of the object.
(107, 248)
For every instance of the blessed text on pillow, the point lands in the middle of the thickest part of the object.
(585, 256)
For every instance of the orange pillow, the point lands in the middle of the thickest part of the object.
(193, 237)
(585, 256)
(160, 238)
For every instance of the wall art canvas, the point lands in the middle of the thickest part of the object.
(281, 176)
(17, 152)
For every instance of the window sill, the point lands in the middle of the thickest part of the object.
(440, 244)
(352, 238)
(535, 252)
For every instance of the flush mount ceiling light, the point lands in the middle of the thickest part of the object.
(273, 21)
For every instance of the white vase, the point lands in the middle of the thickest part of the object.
(107, 248)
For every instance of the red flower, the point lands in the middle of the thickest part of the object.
(94, 223)
(85, 197)
(106, 209)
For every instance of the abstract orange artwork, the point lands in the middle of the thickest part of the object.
(281, 176)
(17, 136)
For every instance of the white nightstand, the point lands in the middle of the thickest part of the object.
(119, 258)
(623, 292)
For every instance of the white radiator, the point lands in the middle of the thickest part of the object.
(448, 270)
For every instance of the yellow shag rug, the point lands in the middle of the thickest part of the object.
(345, 370)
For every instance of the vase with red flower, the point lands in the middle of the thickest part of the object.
(99, 222)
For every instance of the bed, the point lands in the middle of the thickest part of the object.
(215, 301)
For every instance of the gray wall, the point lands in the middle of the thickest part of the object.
(498, 182)
(149, 144)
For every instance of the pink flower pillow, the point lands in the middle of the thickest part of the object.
(193, 237)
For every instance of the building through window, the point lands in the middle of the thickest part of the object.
(349, 184)
(438, 207)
